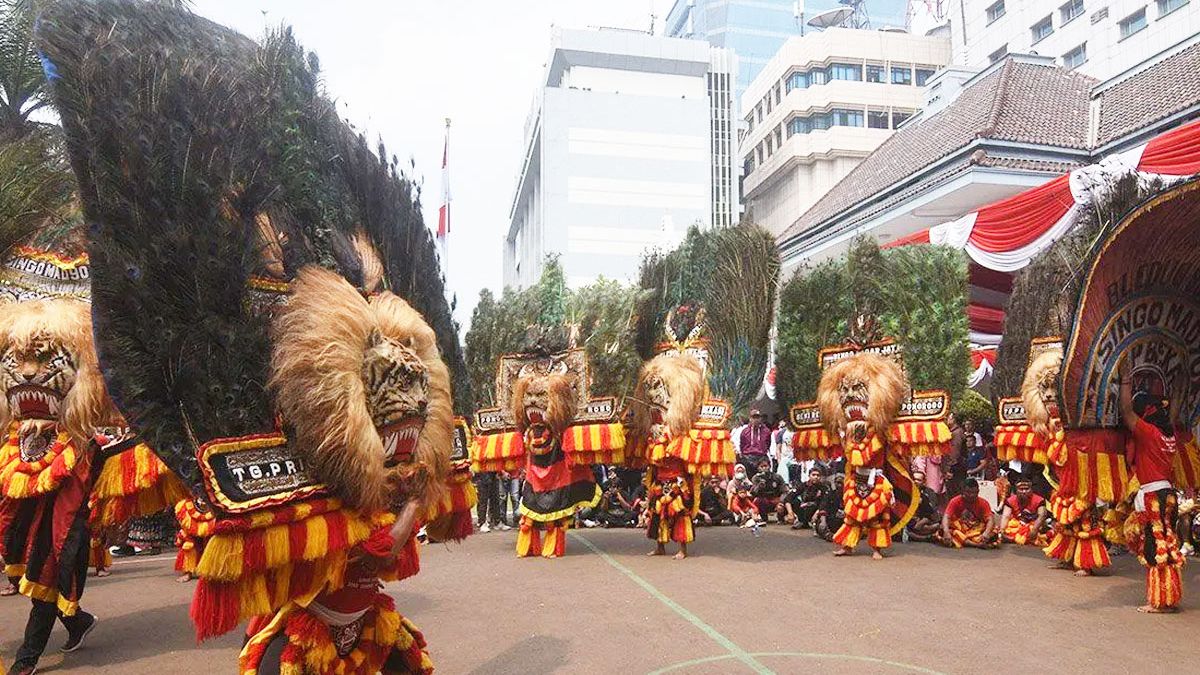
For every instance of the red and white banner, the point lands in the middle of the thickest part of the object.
(1002, 237)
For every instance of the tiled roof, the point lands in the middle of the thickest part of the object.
(1018, 101)
(1145, 97)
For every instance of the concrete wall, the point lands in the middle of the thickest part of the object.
(973, 38)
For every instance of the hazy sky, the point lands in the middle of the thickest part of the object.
(398, 69)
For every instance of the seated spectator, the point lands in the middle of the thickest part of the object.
(831, 514)
(742, 504)
(714, 505)
(736, 483)
(926, 521)
(615, 509)
(968, 519)
(767, 489)
(804, 499)
(1023, 516)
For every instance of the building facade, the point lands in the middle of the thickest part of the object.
(821, 105)
(756, 29)
(1100, 38)
(629, 142)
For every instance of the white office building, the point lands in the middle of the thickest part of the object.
(1100, 38)
(629, 142)
(821, 105)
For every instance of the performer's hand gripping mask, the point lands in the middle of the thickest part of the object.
(544, 405)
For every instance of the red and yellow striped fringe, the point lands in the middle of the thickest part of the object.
(449, 519)
(310, 649)
(704, 452)
(20, 479)
(595, 443)
(134, 483)
(1164, 586)
(254, 564)
(921, 438)
(500, 451)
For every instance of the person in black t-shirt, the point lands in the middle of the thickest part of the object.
(714, 508)
(926, 523)
(830, 515)
(804, 499)
(768, 489)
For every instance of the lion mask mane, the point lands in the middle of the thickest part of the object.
(1038, 390)
(54, 327)
(544, 405)
(670, 391)
(342, 365)
(860, 394)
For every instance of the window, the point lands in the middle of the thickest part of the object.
(842, 71)
(995, 11)
(1165, 7)
(818, 77)
(875, 73)
(778, 94)
(799, 125)
(899, 118)
(877, 119)
(797, 81)
(748, 167)
(1042, 29)
(901, 75)
(1099, 15)
(1076, 57)
(923, 75)
(847, 118)
(998, 54)
(1133, 23)
(1069, 11)
(779, 135)
(820, 121)
(758, 111)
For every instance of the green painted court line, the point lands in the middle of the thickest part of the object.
(735, 651)
(806, 655)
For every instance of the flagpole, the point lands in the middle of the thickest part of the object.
(444, 213)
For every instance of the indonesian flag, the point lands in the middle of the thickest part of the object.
(444, 211)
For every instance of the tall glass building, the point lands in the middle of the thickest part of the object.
(756, 29)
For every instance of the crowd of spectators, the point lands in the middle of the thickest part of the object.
(966, 488)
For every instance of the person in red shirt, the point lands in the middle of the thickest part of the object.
(968, 519)
(1023, 516)
(1151, 450)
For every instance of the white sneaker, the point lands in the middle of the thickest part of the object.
(1187, 549)
(503, 527)
(484, 529)
(589, 523)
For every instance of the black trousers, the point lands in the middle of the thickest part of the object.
(487, 484)
(38, 627)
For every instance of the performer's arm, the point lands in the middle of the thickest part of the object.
(946, 524)
(990, 526)
(1005, 515)
(403, 527)
(1041, 518)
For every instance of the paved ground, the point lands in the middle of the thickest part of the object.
(776, 603)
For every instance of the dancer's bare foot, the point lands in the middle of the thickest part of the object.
(1151, 609)
(876, 555)
(658, 551)
(183, 578)
(103, 573)
(1083, 573)
(1062, 566)
(679, 556)
(843, 551)
(8, 590)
